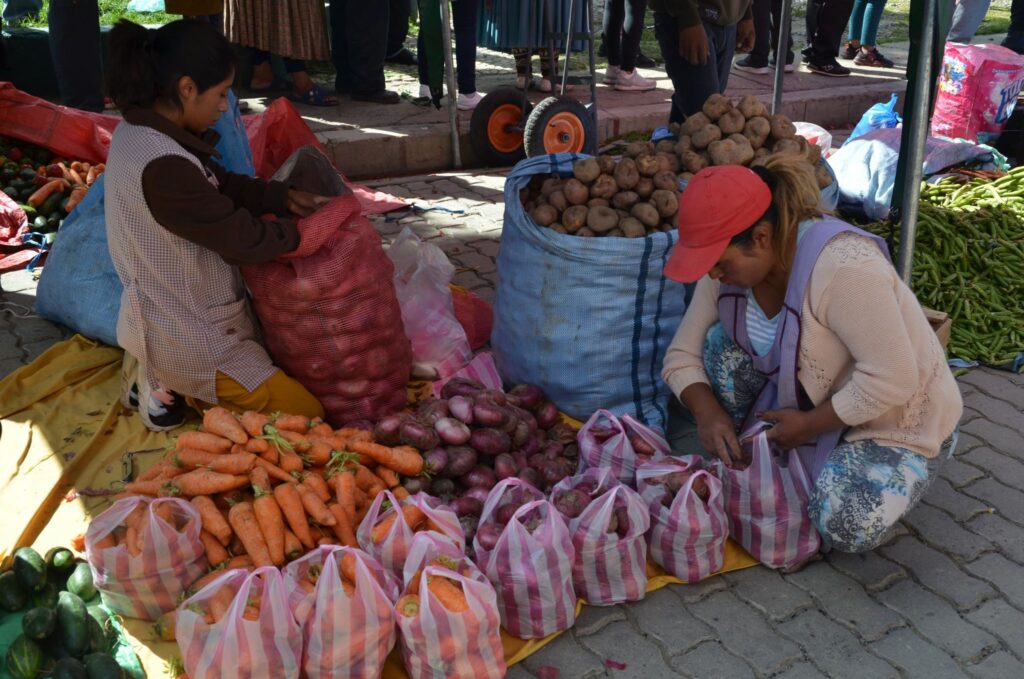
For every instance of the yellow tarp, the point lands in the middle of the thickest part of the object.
(64, 430)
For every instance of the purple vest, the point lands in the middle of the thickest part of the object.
(781, 363)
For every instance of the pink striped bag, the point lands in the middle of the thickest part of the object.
(171, 558)
(531, 567)
(767, 506)
(688, 537)
(347, 636)
(433, 549)
(511, 491)
(620, 444)
(257, 631)
(392, 550)
(440, 644)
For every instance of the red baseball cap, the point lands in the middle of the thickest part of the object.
(718, 203)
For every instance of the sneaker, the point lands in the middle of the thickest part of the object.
(468, 102)
(748, 65)
(611, 74)
(788, 68)
(633, 82)
(160, 409)
(644, 61)
(830, 68)
(850, 50)
(873, 58)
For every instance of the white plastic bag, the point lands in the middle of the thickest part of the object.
(422, 274)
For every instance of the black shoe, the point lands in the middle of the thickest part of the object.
(602, 51)
(403, 57)
(378, 97)
(829, 68)
(788, 68)
(850, 51)
(805, 54)
(751, 65)
(644, 61)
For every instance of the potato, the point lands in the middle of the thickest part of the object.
(803, 144)
(646, 213)
(822, 175)
(705, 135)
(686, 176)
(594, 202)
(695, 123)
(693, 162)
(743, 147)
(551, 184)
(586, 170)
(647, 164)
(558, 227)
(666, 202)
(668, 161)
(540, 200)
(615, 233)
(667, 227)
(635, 148)
(626, 174)
(731, 122)
(813, 154)
(756, 131)
(575, 218)
(761, 154)
(666, 180)
(576, 192)
(524, 194)
(632, 227)
(602, 219)
(604, 187)
(665, 146)
(716, 106)
(674, 128)
(644, 187)
(624, 200)
(544, 215)
(787, 146)
(528, 206)
(607, 164)
(623, 214)
(724, 152)
(782, 127)
(684, 144)
(585, 232)
(751, 107)
(557, 200)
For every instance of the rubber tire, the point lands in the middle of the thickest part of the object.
(486, 154)
(544, 112)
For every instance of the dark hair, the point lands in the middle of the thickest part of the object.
(145, 65)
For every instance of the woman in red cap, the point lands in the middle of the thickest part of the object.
(799, 320)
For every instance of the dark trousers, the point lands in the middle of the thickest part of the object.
(290, 65)
(623, 27)
(359, 35)
(464, 16)
(76, 53)
(398, 26)
(826, 21)
(767, 17)
(693, 84)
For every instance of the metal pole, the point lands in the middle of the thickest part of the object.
(780, 54)
(568, 46)
(449, 64)
(593, 69)
(917, 138)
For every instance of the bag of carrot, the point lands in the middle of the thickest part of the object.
(388, 529)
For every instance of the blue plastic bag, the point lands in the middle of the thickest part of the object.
(146, 6)
(235, 153)
(586, 319)
(879, 117)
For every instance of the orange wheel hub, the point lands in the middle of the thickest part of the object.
(564, 133)
(501, 131)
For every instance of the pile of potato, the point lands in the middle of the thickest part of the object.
(637, 194)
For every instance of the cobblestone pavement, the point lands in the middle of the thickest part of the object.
(943, 599)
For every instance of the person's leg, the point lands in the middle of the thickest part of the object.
(776, 22)
(278, 394)
(734, 379)
(367, 29)
(398, 26)
(615, 17)
(339, 45)
(304, 89)
(865, 488)
(1015, 34)
(811, 25)
(693, 83)
(856, 29)
(464, 20)
(762, 11)
(262, 72)
(832, 19)
(76, 52)
(967, 18)
(868, 53)
(632, 31)
(722, 41)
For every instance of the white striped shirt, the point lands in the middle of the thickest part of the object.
(760, 328)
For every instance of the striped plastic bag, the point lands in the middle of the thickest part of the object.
(438, 643)
(392, 546)
(434, 549)
(170, 557)
(238, 627)
(348, 624)
(766, 504)
(620, 444)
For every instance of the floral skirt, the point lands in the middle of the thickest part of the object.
(863, 489)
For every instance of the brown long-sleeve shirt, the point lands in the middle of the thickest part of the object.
(227, 218)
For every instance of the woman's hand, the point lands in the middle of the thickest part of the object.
(745, 35)
(717, 433)
(303, 203)
(794, 428)
(693, 44)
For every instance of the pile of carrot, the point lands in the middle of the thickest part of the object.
(59, 177)
(447, 591)
(132, 533)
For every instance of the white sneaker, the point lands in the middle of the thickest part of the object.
(160, 410)
(633, 82)
(611, 75)
(468, 102)
(424, 91)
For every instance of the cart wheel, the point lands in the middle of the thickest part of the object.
(496, 128)
(559, 125)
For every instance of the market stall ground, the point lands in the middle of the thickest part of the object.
(943, 599)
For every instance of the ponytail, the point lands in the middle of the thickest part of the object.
(145, 65)
(795, 198)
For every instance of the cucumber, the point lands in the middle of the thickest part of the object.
(30, 568)
(39, 223)
(69, 668)
(60, 560)
(24, 658)
(71, 619)
(98, 641)
(103, 666)
(51, 205)
(39, 623)
(12, 192)
(13, 596)
(80, 582)
(47, 596)
(27, 174)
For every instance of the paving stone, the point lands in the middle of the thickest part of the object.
(683, 632)
(475, 261)
(1002, 620)
(845, 601)
(997, 383)
(937, 572)
(34, 349)
(958, 473)
(1003, 468)
(801, 670)
(572, 660)
(867, 568)
(1006, 500)
(970, 414)
(939, 529)
(595, 618)
(915, 657)
(519, 671)
(834, 648)
(711, 661)
(966, 442)
(699, 591)
(765, 590)
(937, 621)
(999, 411)
(1003, 573)
(1008, 537)
(31, 330)
(999, 665)
(745, 633)
(944, 496)
(997, 436)
(620, 643)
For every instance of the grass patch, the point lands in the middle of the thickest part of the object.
(111, 11)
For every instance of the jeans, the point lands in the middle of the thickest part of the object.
(290, 65)
(967, 18)
(398, 26)
(826, 20)
(864, 20)
(359, 36)
(75, 49)
(464, 20)
(15, 10)
(694, 83)
(623, 27)
(767, 17)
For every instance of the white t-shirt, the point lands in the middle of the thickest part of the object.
(760, 328)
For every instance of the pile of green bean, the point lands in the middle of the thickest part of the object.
(969, 262)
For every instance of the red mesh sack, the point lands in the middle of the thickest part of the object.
(330, 316)
(475, 316)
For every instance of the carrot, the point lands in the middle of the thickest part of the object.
(243, 521)
(131, 541)
(206, 482)
(349, 588)
(292, 546)
(201, 440)
(289, 461)
(90, 176)
(190, 459)
(343, 527)
(213, 521)
(307, 586)
(300, 443)
(400, 493)
(76, 197)
(389, 477)
(365, 479)
(220, 602)
(320, 430)
(240, 561)
(412, 515)
(215, 552)
(317, 484)
(404, 460)
(165, 464)
(273, 470)
(103, 543)
(351, 434)
(259, 446)
(314, 506)
(260, 480)
(345, 491)
(347, 567)
(271, 454)
(45, 191)
(287, 496)
(222, 422)
(295, 423)
(408, 605)
(165, 510)
(319, 452)
(164, 626)
(254, 422)
(326, 541)
(271, 522)
(361, 514)
(234, 463)
(151, 487)
(362, 499)
(448, 594)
